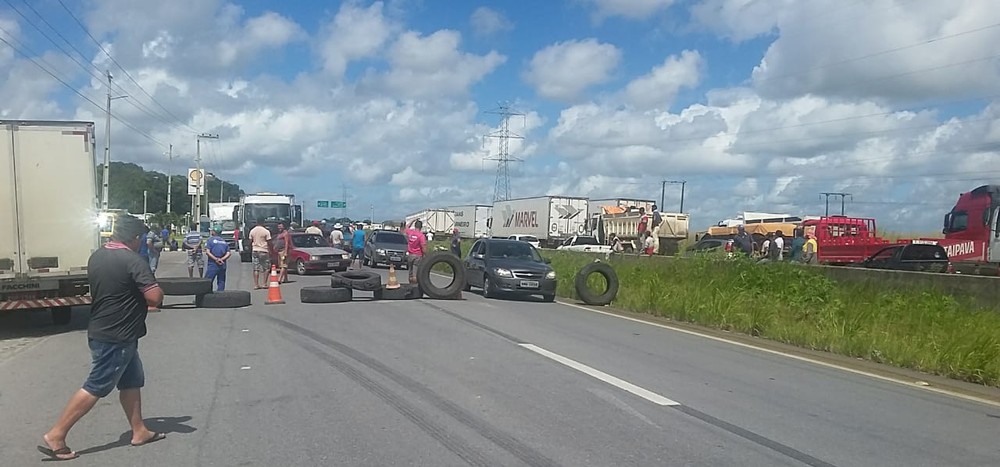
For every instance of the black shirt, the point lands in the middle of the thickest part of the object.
(118, 276)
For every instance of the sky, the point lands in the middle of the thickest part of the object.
(758, 105)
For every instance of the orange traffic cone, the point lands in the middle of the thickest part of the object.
(393, 282)
(274, 289)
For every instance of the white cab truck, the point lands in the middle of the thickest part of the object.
(438, 221)
(472, 221)
(551, 219)
(272, 208)
(222, 214)
(48, 215)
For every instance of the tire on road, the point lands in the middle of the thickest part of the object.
(591, 297)
(322, 294)
(185, 285)
(404, 292)
(226, 299)
(366, 281)
(449, 292)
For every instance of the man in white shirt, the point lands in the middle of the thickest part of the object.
(314, 229)
(337, 236)
(777, 247)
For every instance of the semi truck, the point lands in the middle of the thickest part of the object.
(438, 221)
(472, 221)
(221, 214)
(972, 232)
(550, 219)
(272, 208)
(49, 215)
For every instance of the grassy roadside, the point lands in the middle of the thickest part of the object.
(929, 331)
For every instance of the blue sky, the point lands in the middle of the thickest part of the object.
(759, 104)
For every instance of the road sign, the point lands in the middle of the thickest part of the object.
(332, 204)
(322, 204)
(194, 177)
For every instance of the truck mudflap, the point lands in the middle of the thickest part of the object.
(12, 305)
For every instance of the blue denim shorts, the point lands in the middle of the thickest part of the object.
(114, 365)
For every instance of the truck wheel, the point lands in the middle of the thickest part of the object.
(404, 292)
(61, 315)
(225, 299)
(592, 297)
(300, 267)
(325, 294)
(185, 285)
(452, 290)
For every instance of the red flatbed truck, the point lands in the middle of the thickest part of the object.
(845, 240)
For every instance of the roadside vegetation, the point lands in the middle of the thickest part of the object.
(926, 331)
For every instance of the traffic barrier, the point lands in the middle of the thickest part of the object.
(393, 281)
(274, 289)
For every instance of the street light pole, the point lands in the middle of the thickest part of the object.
(145, 194)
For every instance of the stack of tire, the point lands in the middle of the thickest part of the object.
(201, 289)
(343, 284)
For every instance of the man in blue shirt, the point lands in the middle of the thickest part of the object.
(218, 252)
(144, 247)
(358, 245)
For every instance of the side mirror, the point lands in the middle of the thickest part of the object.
(478, 256)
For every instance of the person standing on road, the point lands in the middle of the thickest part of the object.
(144, 246)
(643, 226)
(154, 244)
(284, 243)
(122, 288)
(314, 229)
(358, 246)
(218, 253)
(260, 240)
(416, 244)
(337, 236)
(192, 242)
(456, 243)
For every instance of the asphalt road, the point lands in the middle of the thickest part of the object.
(472, 382)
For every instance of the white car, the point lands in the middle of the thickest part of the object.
(584, 243)
(530, 239)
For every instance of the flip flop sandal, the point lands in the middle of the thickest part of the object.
(152, 439)
(55, 453)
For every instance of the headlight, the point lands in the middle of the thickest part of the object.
(503, 272)
(345, 256)
(313, 258)
(380, 251)
(551, 275)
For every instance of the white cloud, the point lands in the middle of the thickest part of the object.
(355, 33)
(658, 88)
(486, 21)
(631, 9)
(565, 69)
(13, 31)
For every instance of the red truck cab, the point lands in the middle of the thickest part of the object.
(844, 240)
(972, 231)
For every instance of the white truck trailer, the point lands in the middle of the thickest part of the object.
(551, 219)
(473, 220)
(48, 215)
(438, 221)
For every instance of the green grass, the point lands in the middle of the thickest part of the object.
(926, 331)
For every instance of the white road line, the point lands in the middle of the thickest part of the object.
(621, 384)
(910, 384)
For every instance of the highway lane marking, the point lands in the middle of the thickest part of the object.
(916, 385)
(619, 383)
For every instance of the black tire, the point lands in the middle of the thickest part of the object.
(549, 298)
(185, 285)
(591, 297)
(61, 315)
(325, 294)
(300, 267)
(424, 276)
(404, 292)
(487, 287)
(226, 299)
(415, 293)
(366, 281)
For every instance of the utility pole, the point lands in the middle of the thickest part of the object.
(201, 179)
(107, 147)
(663, 191)
(343, 210)
(145, 194)
(170, 164)
(827, 195)
(501, 188)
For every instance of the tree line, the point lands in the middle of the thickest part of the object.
(128, 181)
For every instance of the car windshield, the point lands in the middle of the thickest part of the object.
(514, 250)
(308, 241)
(390, 237)
(269, 212)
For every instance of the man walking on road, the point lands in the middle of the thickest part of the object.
(122, 287)
(218, 252)
(195, 257)
(416, 243)
(358, 246)
(260, 239)
(284, 244)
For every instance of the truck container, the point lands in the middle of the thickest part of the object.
(438, 221)
(222, 214)
(551, 219)
(49, 215)
(472, 221)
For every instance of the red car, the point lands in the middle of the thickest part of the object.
(312, 253)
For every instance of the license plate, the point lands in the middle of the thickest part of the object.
(395, 259)
(529, 284)
(331, 265)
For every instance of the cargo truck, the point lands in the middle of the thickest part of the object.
(49, 215)
(472, 221)
(272, 208)
(550, 219)
(221, 214)
(438, 221)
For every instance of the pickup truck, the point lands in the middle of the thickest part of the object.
(584, 243)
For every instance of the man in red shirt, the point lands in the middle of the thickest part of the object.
(416, 243)
(643, 226)
(284, 243)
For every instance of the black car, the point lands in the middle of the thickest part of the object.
(385, 247)
(509, 266)
(910, 257)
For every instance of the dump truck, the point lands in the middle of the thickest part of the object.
(49, 215)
